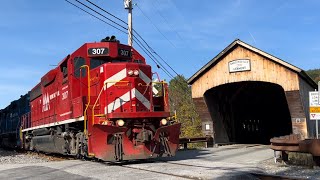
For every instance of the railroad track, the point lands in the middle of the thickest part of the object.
(260, 175)
(134, 165)
(274, 177)
(241, 175)
(60, 157)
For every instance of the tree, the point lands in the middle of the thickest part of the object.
(314, 74)
(181, 102)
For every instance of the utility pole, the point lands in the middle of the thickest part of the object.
(128, 5)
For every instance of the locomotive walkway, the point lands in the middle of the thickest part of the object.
(224, 162)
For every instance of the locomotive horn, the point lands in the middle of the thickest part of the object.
(105, 39)
(113, 38)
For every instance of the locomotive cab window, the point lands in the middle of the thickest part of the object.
(139, 61)
(95, 62)
(119, 60)
(78, 62)
(64, 68)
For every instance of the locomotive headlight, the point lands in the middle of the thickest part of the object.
(120, 122)
(130, 72)
(136, 72)
(163, 122)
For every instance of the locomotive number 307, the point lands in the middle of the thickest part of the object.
(97, 51)
(124, 52)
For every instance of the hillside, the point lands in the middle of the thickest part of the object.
(314, 74)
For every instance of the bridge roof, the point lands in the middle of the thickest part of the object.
(238, 42)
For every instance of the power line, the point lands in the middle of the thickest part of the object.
(136, 33)
(166, 63)
(154, 52)
(154, 59)
(136, 39)
(156, 27)
(166, 21)
(101, 14)
(140, 45)
(106, 12)
(95, 16)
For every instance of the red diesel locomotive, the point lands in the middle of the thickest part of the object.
(99, 102)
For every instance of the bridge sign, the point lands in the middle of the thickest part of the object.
(314, 105)
(319, 91)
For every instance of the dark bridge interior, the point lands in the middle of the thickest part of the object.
(248, 112)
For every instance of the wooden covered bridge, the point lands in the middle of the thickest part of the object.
(245, 95)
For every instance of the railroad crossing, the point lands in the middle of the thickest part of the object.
(225, 162)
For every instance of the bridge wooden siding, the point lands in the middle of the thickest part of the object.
(265, 68)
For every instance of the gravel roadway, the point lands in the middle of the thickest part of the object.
(226, 162)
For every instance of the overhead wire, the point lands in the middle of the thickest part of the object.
(100, 14)
(139, 43)
(151, 49)
(151, 56)
(166, 21)
(159, 65)
(154, 52)
(106, 12)
(155, 26)
(96, 17)
(143, 48)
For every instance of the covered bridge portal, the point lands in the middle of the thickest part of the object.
(245, 95)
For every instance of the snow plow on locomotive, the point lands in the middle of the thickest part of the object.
(99, 102)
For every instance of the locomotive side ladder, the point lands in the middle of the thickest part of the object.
(88, 103)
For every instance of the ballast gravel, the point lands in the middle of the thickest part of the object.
(282, 169)
(221, 163)
(14, 157)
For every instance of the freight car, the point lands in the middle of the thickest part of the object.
(10, 122)
(97, 102)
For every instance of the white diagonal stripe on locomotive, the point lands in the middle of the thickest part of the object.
(113, 90)
(118, 102)
(144, 77)
(143, 88)
(116, 77)
(124, 100)
(141, 98)
(117, 96)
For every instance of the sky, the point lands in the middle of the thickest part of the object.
(36, 35)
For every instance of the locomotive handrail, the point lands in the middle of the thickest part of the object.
(164, 92)
(88, 104)
(95, 103)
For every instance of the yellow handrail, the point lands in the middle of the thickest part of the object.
(161, 82)
(89, 95)
(164, 92)
(95, 103)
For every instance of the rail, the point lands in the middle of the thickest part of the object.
(208, 140)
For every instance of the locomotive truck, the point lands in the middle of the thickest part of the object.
(98, 102)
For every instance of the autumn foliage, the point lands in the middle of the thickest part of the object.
(181, 102)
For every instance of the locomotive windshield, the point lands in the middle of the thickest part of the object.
(95, 62)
